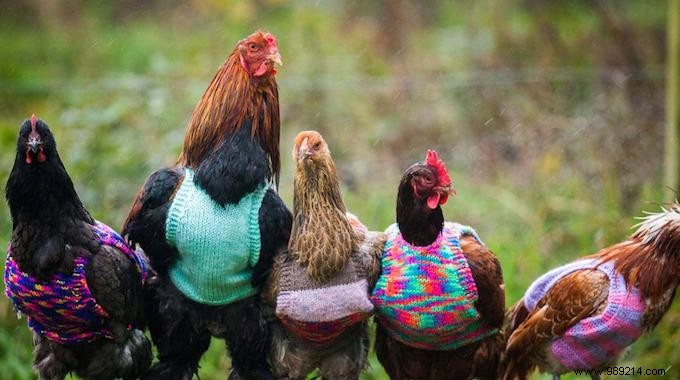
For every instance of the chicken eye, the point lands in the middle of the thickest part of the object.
(317, 145)
(252, 46)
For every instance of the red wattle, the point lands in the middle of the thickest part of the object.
(261, 70)
(433, 200)
(444, 198)
(41, 156)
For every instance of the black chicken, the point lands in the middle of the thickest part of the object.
(422, 275)
(212, 225)
(77, 281)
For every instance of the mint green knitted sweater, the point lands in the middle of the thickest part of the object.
(218, 246)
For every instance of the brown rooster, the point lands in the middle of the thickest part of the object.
(243, 90)
(439, 300)
(212, 224)
(320, 286)
(583, 315)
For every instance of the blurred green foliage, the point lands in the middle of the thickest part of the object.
(548, 114)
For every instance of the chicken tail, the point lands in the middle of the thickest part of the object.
(650, 259)
(512, 367)
(662, 230)
(135, 354)
(489, 356)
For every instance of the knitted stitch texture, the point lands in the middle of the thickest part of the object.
(218, 245)
(63, 309)
(319, 313)
(425, 296)
(594, 341)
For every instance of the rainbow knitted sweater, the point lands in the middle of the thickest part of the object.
(594, 341)
(218, 245)
(425, 295)
(63, 308)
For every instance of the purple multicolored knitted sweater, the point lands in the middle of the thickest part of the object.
(593, 341)
(63, 309)
(425, 295)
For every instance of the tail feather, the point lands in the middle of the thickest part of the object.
(135, 354)
(129, 358)
(489, 356)
(650, 259)
(513, 367)
(661, 228)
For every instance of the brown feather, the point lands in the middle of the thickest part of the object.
(370, 253)
(656, 310)
(653, 267)
(515, 316)
(322, 239)
(270, 290)
(135, 210)
(232, 97)
(488, 275)
(402, 362)
(571, 299)
(649, 260)
(509, 368)
(576, 296)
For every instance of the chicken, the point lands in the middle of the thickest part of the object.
(211, 225)
(319, 288)
(583, 315)
(439, 301)
(77, 281)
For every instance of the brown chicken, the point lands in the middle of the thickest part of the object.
(584, 315)
(424, 262)
(319, 288)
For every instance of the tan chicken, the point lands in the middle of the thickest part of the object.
(319, 288)
(583, 315)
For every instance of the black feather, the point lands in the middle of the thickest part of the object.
(236, 168)
(146, 224)
(116, 285)
(418, 224)
(180, 327)
(181, 330)
(50, 229)
(276, 222)
(47, 214)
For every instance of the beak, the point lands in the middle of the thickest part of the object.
(304, 149)
(276, 58)
(448, 189)
(34, 144)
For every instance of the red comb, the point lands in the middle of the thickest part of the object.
(33, 121)
(433, 160)
(270, 39)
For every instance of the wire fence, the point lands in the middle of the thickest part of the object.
(128, 82)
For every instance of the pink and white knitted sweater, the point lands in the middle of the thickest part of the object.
(593, 341)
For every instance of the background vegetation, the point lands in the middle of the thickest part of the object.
(548, 114)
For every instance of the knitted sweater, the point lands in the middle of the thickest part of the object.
(63, 308)
(425, 296)
(319, 313)
(218, 245)
(594, 341)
